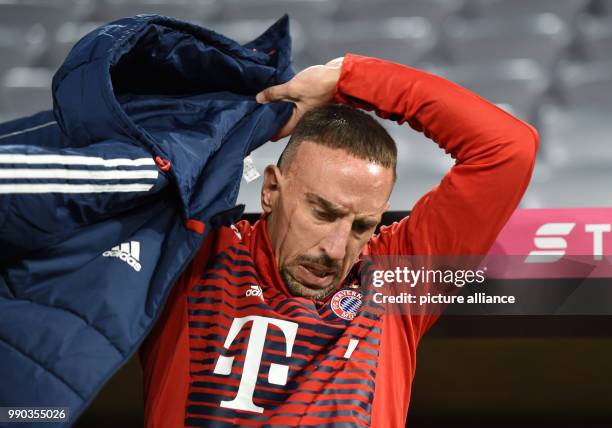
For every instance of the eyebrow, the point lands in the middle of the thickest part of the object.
(336, 210)
(325, 204)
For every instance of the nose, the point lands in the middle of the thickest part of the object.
(335, 243)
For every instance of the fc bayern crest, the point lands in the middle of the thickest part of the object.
(346, 303)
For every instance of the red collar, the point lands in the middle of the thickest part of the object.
(258, 241)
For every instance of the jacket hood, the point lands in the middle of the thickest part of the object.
(160, 83)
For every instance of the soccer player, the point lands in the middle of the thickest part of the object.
(249, 336)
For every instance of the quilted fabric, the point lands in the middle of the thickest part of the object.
(104, 200)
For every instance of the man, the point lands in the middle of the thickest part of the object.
(249, 336)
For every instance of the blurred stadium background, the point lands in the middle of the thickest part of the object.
(547, 61)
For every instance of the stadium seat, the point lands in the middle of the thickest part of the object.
(519, 83)
(421, 164)
(403, 40)
(603, 7)
(436, 11)
(50, 14)
(410, 187)
(587, 84)
(63, 41)
(565, 9)
(569, 188)
(4, 116)
(595, 37)
(27, 90)
(187, 10)
(20, 46)
(304, 11)
(577, 137)
(542, 38)
(417, 154)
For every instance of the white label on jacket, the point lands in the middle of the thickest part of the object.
(249, 171)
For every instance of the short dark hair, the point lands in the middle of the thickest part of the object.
(339, 126)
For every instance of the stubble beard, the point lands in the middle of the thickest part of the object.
(297, 289)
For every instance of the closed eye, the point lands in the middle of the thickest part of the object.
(363, 226)
(324, 215)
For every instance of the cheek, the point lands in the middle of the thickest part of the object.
(354, 250)
(300, 235)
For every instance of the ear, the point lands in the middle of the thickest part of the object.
(270, 190)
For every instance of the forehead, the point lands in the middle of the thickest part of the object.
(358, 185)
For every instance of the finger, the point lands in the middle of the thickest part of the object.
(274, 93)
(336, 62)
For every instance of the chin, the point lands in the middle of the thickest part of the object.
(297, 289)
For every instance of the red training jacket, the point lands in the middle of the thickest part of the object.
(234, 348)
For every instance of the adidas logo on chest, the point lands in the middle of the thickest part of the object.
(128, 252)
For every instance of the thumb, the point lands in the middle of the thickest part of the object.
(273, 93)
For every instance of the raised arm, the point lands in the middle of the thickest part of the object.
(494, 153)
(494, 156)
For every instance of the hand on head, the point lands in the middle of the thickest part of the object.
(311, 87)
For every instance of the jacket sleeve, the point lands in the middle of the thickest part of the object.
(494, 156)
(50, 187)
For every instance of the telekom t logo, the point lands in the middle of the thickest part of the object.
(277, 374)
(551, 244)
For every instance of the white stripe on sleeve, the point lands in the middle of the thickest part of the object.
(73, 174)
(72, 160)
(74, 188)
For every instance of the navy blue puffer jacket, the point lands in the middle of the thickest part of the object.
(105, 200)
